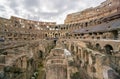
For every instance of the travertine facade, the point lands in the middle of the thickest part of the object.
(90, 15)
(14, 29)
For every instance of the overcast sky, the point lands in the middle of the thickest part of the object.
(44, 10)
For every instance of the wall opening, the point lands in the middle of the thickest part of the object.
(108, 49)
(98, 47)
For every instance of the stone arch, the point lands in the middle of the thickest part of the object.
(97, 46)
(56, 27)
(56, 35)
(46, 35)
(108, 49)
(30, 27)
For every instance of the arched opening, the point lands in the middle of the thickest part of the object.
(67, 34)
(98, 47)
(56, 27)
(30, 27)
(45, 35)
(86, 24)
(55, 40)
(57, 35)
(108, 49)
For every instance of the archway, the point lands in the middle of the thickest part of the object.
(108, 49)
(98, 47)
(57, 35)
(46, 35)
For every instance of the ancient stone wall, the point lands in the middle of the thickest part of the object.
(56, 64)
(94, 64)
(21, 60)
(29, 24)
(17, 29)
(96, 28)
(106, 8)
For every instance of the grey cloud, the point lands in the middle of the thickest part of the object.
(2, 8)
(31, 3)
(47, 9)
(13, 3)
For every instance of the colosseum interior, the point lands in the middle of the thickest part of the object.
(86, 46)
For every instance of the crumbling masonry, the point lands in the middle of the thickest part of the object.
(86, 46)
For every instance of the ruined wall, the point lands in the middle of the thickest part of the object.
(106, 8)
(56, 64)
(85, 22)
(93, 64)
(17, 29)
(21, 60)
(101, 22)
(29, 24)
